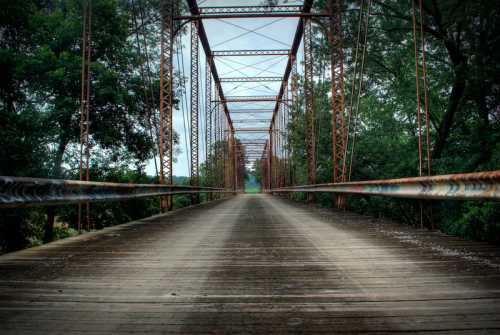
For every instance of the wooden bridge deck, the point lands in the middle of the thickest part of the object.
(252, 264)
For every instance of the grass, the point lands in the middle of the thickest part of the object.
(254, 189)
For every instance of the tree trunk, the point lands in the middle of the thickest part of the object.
(446, 123)
(57, 172)
(49, 226)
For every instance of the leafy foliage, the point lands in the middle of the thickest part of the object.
(462, 53)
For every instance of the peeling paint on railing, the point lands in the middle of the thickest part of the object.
(26, 192)
(480, 185)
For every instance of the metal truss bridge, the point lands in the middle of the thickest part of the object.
(240, 263)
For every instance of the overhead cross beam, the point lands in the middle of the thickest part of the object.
(252, 130)
(249, 79)
(250, 121)
(250, 111)
(240, 53)
(250, 9)
(250, 99)
(262, 11)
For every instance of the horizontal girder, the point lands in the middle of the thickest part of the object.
(251, 120)
(249, 9)
(239, 53)
(260, 130)
(249, 79)
(250, 111)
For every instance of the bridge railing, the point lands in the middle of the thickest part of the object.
(29, 192)
(467, 186)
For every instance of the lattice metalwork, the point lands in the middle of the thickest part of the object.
(166, 99)
(239, 53)
(208, 122)
(250, 9)
(308, 100)
(337, 68)
(195, 99)
(249, 79)
(294, 84)
(250, 111)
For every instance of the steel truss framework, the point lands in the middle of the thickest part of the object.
(240, 53)
(249, 79)
(195, 84)
(223, 148)
(250, 9)
(227, 150)
(166, 98)
(339, 132)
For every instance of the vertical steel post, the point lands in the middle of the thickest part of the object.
(208, 126)
(219, 149)
(286, 120)
(295, 106)
(166, 99)
(309, 110)
(195, 84)
(270, 164)
(226, 161)
(234, 168)
(85, 108)
(339, 133)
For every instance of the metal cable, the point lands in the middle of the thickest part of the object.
(356, 115)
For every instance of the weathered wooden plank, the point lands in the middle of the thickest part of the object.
(253, 264)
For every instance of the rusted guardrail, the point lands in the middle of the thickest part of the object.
(468, 186)
(27, 192)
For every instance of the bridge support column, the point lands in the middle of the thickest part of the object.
(309, 110)
(166, 98)
(339, 133)
(195, 198)
(294, 87)
(208, 128)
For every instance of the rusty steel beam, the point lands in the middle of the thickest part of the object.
(249, 79)
(236, 111)
(308, 102)
(467, 186)
(251, 121)
(208, 124)
(28, 192)
(339, 132)
(195, 104)
(240, 53)
(166, 99)
(250, 16)
(250, 98)
(194, 9)
(250, 9)
(251, 130)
